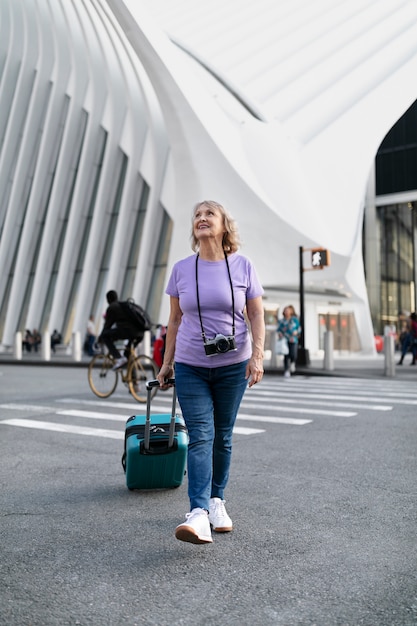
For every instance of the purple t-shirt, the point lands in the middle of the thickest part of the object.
(216, 307)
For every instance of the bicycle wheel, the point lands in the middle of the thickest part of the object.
(102, 379)
(142, 369)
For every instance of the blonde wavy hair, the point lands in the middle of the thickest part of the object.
(231, 240)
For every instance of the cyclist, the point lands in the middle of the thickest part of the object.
(117, 326)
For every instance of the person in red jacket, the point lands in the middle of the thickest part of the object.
(159, 347)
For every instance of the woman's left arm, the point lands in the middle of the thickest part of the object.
(255, 367)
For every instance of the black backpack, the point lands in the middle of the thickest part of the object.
(137, 316)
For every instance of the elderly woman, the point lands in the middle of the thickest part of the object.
(289, 327)
(215, 358)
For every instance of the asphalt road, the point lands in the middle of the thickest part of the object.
(322, 494)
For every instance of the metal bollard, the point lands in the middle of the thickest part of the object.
(17, 352)
(76, 346)
(389, 356)
(145, 344)
(46, 346)
(328, 361)
(273, 347)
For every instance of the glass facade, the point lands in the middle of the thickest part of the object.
(344, 328)
(396, 160)
(397, 224)
(396, 173)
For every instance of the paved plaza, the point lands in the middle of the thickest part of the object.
(322, 496)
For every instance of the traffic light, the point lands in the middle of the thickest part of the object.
(320, 258)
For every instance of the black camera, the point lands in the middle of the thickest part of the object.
(219, 345)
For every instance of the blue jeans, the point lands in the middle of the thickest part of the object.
(292, 356)
(209, 401)
(90, 344)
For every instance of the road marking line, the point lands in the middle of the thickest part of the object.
(241, 430)
(65, 428)
(313, 394)
(397, 388)
(362, 388)
(274, 420)
(27, 407)
(299, 399)
(133, 407)
(94, 415)
(304, 410)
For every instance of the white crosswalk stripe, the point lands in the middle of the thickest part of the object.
(26, 407)
(65, 428)
(302, 398)
(117, 417)
(273, 420)
(305, 410)
(361, 398)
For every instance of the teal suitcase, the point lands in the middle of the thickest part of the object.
(155, 454)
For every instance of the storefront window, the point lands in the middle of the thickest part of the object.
(397, 262)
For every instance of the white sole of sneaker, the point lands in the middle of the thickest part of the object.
(222, 529)
(187, 533)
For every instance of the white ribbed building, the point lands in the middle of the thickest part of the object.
(117, 117)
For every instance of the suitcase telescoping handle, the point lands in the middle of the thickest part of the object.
(149, 386)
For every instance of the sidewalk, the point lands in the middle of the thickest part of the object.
(353, 365)
(59, 359)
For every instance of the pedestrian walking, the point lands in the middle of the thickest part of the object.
(56, 339)
(289, 328)
(90, 336)
(409, 339)
(215, 358)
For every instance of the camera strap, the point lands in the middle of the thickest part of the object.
(203, 334)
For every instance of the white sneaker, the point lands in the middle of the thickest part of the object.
(287, 374)
(196, 528)
(119, 363)
(218, 516)
(292, 367)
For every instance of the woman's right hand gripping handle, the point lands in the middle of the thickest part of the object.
(165, 373)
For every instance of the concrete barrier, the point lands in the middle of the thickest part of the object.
(145, 346)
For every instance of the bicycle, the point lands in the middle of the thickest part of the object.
(135, 374)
